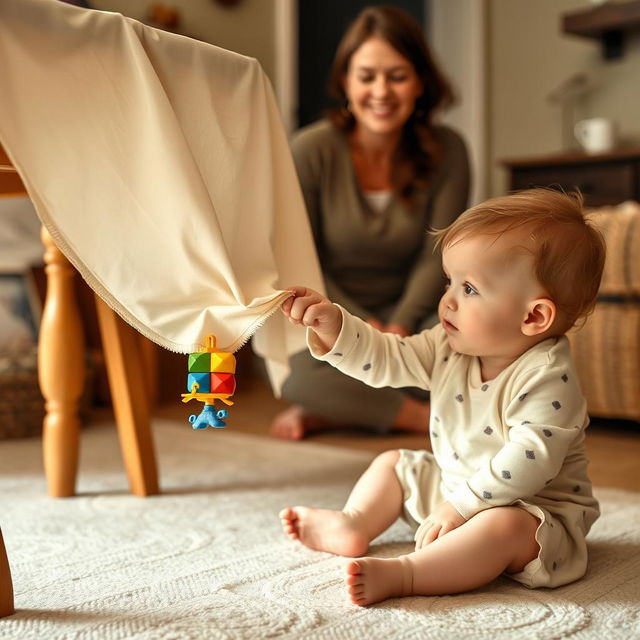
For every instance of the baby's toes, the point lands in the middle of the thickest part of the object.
(356, 591)
(354, 580)
(287, 514)
(292, 533)
(357, 597)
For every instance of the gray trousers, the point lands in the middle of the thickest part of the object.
(328, 393)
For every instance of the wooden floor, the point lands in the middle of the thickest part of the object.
(613, 448)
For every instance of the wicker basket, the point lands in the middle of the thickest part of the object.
(21, 403)
(607, 348)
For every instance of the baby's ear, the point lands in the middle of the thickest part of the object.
(540, 316)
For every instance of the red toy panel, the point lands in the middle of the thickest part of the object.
(223, 383)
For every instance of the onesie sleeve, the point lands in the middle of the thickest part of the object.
(545, 415)
(425, 283)
(380, 359)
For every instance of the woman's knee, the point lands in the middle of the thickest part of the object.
(300, 386)
(310, 382)
(293, 389)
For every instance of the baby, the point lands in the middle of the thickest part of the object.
(506, 489)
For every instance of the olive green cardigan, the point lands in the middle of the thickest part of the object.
(378, 262)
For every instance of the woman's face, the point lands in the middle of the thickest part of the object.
(382, 87)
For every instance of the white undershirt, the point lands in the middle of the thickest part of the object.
(378, 200)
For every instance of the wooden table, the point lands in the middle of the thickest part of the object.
(61, 372)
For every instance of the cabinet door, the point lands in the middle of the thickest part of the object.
(601, 184)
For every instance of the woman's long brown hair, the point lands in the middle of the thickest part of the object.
(418, 154)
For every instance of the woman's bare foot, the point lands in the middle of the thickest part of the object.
(371, 580)
(324, 530)
(293, 424)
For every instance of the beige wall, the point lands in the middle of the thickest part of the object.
(528, 57)
(247, 28)
(456, 31)
(525, 57)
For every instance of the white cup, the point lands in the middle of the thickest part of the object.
(596, 135)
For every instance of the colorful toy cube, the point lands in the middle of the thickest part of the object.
(222, 362)
(223, 383)
(203, 380)
(200, 362)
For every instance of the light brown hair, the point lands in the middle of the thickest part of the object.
(568, 251)
(418, 155)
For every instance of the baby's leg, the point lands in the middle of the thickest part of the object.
(474, 554)
(374, 504)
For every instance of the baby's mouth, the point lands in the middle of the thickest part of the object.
(448, 325)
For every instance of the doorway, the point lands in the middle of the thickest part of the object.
(321, 24)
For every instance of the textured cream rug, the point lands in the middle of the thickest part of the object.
(207, 558)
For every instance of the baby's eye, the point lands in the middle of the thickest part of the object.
(469, 290)
(447, 283)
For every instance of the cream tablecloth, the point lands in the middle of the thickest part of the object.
(160, 167)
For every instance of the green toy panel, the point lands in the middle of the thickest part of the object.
(200, 362)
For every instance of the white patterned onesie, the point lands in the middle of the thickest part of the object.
(515, 440)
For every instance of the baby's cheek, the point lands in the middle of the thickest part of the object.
(482, 323)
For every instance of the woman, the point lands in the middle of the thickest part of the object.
(376, 175)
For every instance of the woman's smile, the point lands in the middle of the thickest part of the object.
(381, 110)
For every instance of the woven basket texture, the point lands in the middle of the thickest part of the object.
(21, 403)
(607, 348)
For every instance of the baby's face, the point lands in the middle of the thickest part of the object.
(486, 301)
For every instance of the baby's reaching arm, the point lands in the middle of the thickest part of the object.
(310, 309)
(356, 348)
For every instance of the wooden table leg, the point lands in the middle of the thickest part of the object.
(150, 362)
(61, 371)
(129, 395)
(6, 586)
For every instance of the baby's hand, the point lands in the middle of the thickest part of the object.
(310, 309)
(441, 520)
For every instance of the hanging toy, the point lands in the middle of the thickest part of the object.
(210, 378)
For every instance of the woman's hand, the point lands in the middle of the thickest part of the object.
(392, 327)
(310, 309)
(440, 521)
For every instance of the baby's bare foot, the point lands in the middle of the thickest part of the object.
(371, 580)
(324, 530)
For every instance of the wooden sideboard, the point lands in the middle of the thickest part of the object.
(603, 179)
